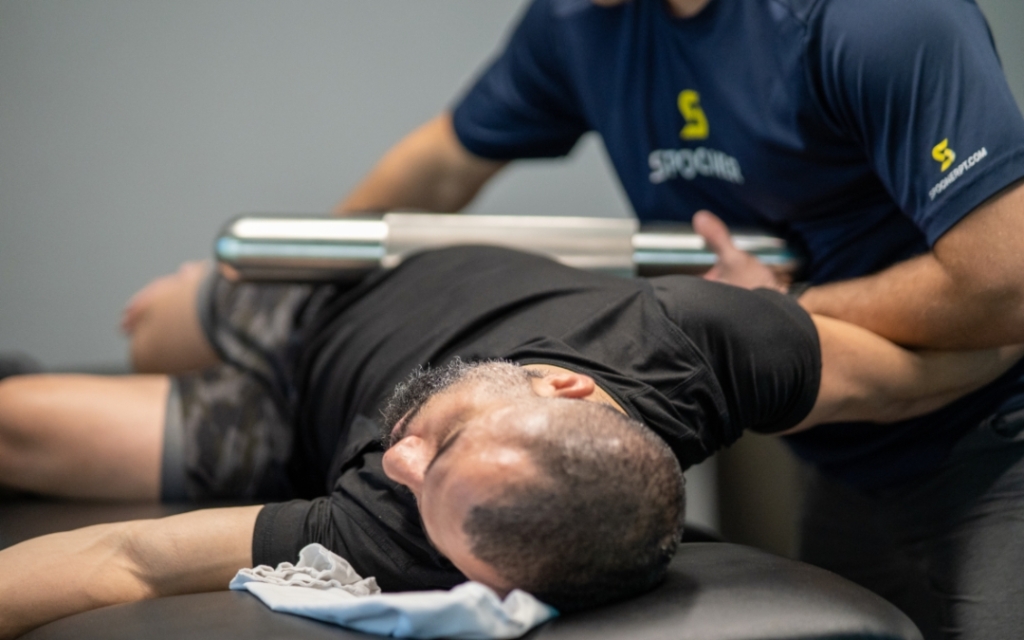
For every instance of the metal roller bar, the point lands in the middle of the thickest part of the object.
(321, 248)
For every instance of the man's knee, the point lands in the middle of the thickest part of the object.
(9, 401)
(82, 436)
(15, 435)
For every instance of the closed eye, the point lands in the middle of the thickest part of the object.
(447, 441)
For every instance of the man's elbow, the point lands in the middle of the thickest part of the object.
(136, 557)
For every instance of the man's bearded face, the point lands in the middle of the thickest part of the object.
(409, 397)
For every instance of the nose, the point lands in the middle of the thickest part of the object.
(406, 462)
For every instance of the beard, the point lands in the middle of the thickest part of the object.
(497, 376)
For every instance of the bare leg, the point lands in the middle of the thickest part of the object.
(83, 436)
(163, 325)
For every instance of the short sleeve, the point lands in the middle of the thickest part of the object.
(762, 347)
(523, 105)
(368, 520)
(918, 83)
(786, 371)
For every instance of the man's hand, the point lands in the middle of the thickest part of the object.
(734, 267)
(61, 574)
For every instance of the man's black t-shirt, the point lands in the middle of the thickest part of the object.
(697, 362)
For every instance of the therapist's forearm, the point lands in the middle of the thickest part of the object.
(917, 304)
(967, 293)
(428, 170)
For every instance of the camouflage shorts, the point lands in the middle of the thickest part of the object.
(228, 429)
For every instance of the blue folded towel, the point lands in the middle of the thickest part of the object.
(324, 586)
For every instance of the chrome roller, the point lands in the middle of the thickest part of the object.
(324, 248)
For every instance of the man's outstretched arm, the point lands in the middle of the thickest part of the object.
(428, 170)
(866, 377)
(57, 575)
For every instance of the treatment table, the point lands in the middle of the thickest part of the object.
(714, 590)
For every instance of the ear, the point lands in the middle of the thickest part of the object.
(563, 384)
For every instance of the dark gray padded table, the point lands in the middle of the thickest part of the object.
(714, 591)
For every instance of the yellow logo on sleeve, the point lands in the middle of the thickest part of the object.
(942, 153)
(696, 122)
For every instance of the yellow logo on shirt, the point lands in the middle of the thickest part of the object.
(696, 122)
(693, 163)
(942, 153)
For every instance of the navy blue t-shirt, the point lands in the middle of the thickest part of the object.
(860, 131)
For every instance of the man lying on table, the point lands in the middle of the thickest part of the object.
(540, 449)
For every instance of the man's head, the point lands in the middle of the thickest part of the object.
(528, 477)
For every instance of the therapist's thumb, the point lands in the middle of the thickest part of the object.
(716, 235)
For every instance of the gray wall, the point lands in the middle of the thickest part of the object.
(1006, 18)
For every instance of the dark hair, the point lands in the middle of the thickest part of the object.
(599, 523)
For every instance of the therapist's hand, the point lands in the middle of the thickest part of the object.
(734, 266)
